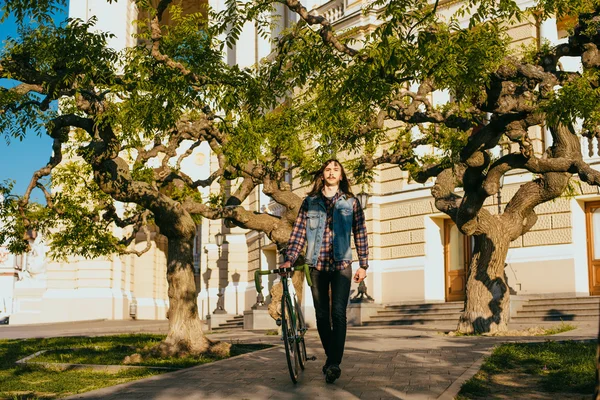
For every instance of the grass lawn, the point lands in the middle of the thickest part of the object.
(37, 382)
(549, 370)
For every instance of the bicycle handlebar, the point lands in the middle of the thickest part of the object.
(257, 275)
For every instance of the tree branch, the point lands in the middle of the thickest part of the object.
(326, 31)
(141, 223)
(156, 35)
(276, 228)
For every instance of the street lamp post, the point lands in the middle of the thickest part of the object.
(206, 275)
(235, 279)
(362, 295)
(363, 198)
(260, 299)
(219, 237)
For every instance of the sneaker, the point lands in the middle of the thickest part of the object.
(327, 364)
(332, 373)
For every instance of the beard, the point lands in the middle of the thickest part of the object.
(332, 182)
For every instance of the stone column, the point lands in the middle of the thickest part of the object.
(218, 280)
(8, 276)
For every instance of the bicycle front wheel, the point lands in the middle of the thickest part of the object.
(288, 328)
(301, 329)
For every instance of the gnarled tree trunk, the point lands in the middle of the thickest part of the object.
(185, 334)
(488, 297)
(185, 330)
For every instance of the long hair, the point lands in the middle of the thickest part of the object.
(319, 182)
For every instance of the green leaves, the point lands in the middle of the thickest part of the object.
(74, 225)
(40, 11)
(578, 99)
(303, 104)
(51, 60)
(483, 11)
(461, 60)
(235, 14)
(61, 55)
(563, 8)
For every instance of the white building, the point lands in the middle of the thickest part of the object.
(417, 255)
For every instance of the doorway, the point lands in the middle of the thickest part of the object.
(592, 217)
(457, 254)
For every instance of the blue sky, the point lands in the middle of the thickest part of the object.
(20, 159)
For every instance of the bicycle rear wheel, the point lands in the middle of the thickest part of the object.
(288, 329)
(301, 328)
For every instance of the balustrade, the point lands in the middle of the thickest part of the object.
(589, 148)
(332, 10)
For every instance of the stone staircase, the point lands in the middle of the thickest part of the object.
(444, 316)
(428, 315)
(236, 323)
(576, 309)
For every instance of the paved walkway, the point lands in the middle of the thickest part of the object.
(379, 363)
(79, 328)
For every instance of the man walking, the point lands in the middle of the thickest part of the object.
(328, 215)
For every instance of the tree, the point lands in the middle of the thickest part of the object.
(121, 119)
(379, 100)
(119, 112)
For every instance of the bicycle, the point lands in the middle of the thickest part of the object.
(293, 326)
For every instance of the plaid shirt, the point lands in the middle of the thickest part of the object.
(325, 261)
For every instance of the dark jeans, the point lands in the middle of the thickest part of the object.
(332, 331)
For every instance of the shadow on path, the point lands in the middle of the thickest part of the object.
(378, 364)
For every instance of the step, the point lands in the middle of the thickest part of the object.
(446, 323)
(404, 317)
(231, 322)
(397, 315)
(542, 314)
(228, 327)
(426, 307)
(237, 322)
(561, 307)
(420, 312)
(566, 300)
(236, 318)
(557, 318)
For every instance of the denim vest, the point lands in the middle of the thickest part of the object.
(343, 213)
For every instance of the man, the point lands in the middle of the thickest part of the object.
(327, 216)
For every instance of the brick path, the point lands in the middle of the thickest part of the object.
(382, 363)
(379, 363)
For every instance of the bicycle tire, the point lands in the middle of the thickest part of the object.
(301, 329)
(288, 329)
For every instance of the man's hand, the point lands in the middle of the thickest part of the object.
(285, 265)
(360, 275)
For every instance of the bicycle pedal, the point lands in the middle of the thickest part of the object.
(278, 321)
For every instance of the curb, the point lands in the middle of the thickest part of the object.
(452, 390)
(109, 390)
(100, 367)
(42, 324)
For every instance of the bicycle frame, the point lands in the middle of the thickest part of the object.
(291, 321)
(258, 274)
(289, 291)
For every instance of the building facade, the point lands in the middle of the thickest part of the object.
(416, 253)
